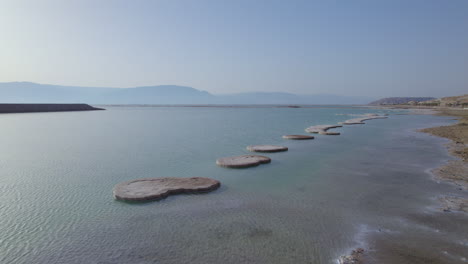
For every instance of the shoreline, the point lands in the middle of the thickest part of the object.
(454, 171)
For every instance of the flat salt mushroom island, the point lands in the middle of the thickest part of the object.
(150, 189)
(242, 161)
(360, 121)
(266, 148)
(329, 133)
(322, 129)
(298, 137)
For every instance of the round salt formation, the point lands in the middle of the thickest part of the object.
(266, 148)
(329, 133)
(298, 137)
(150, 189)
(242, 161)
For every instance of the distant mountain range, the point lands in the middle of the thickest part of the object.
(27, 92)
(400, 100)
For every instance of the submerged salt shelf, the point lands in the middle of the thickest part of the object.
(311, 205)
(360, 121)
(322, 129)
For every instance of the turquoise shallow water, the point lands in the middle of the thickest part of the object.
(310, 205)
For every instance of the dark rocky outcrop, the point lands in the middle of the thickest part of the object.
(32, 108)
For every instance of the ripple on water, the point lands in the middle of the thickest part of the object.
(305, 207)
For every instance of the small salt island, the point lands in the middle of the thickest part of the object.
(151, 189)
(266, 148)
(242, 161)
(298, 137)
(322, 129)
(360, 121)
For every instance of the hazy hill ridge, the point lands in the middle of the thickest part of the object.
(28, 92)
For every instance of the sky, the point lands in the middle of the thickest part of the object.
(360, 47)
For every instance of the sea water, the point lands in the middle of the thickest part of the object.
(369, 187)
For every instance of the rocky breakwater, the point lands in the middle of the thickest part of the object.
(35, 108)
(150, 189)
(322, 129)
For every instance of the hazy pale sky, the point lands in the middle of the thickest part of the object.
(373, 47)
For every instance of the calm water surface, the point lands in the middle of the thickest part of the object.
(367, 188)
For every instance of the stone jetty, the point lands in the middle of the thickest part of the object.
(150, 189)
(242, 161)
(266, 148)
(322, 129)
(298, 137)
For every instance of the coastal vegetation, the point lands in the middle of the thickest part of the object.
(400, 100)
(460, 101)
(452, 101)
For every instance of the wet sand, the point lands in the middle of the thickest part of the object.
(449, 214)
(455, 171)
